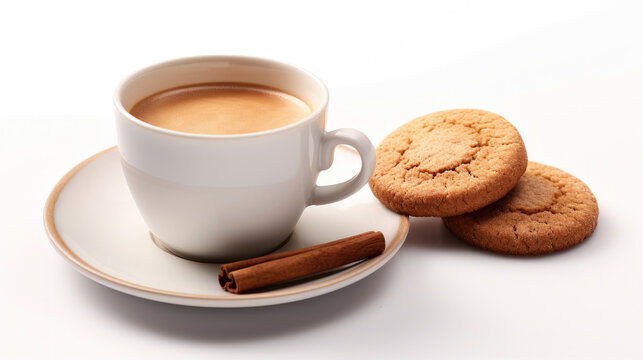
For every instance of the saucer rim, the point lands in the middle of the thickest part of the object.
(59, 244)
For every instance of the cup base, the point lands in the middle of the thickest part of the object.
(205, 259)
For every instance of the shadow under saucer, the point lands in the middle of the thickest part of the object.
(226, 325)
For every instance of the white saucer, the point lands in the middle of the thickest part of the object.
(92, 221)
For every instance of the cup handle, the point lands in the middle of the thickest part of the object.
(330, 193)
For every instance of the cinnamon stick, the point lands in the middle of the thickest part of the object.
(245, 275)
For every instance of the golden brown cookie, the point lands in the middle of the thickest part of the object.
(548, 210)
(448, 163)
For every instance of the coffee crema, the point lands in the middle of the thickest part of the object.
(221, 108)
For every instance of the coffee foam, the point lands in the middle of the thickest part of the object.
(221, 109)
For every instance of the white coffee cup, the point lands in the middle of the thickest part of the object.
(227, 197)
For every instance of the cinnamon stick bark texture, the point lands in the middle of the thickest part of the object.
(245, 275)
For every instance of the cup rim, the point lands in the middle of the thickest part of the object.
(205, 58)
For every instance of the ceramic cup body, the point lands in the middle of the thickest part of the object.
(227, 197)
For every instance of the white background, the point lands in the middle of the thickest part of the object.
(569, 75)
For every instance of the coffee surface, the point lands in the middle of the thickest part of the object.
(221, 108)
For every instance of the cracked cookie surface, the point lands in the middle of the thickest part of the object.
(448, 163)
(548, 210)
